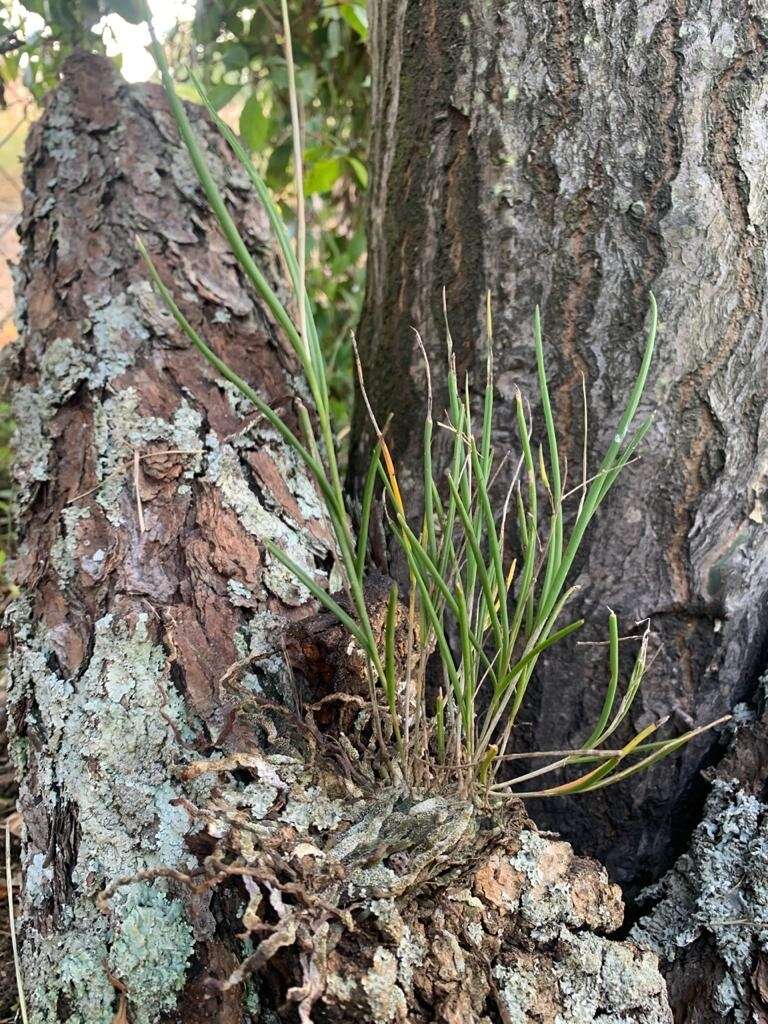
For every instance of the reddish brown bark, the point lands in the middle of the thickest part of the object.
(103, 378)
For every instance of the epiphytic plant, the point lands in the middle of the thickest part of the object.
(487, 615)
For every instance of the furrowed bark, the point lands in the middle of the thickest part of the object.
(579, 156)
(314, 889)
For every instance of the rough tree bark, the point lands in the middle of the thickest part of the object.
(578, 155)
(142, 580)
(176, 822)
(706, 917)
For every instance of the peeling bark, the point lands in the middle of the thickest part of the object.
(578, 155)
(145, 489)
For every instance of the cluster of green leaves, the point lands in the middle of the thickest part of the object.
(504, 611)
(66, 24)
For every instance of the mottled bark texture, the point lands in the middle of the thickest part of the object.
(578, 155)
(145, 488)
(180, 815)
(707, 916)
(416, 910)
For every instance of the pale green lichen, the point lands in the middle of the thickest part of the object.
(113, 731)
(547, 900)
(62, 367)
(38, 878)
(263, 438)
(517, 992)
(67, 966)
(312, 809)
(150, 951)
(30, 413)
(722, 878)
(340, 988)
(120, 430)
(613, 982)
(240, 406)
(372, 881)
(146, 944)
(410, 955)
(260, 639)
(366, 832)
(585, 978)
(224, 469)
(19, 280)
(120, 722)
(117, 331)
(239, 594)
(60, 138)
(64, 548)
(258, 797)
(388, 918)
(294, 474)
(385, 997)
(466, 897)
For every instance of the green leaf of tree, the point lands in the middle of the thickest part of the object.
(323, 175)
(361, 171)
(221, 93)
(255, 126)
(234, 56)
(356, 17)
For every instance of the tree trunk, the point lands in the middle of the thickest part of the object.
(206, 838)
(145, 489)
(579, 155)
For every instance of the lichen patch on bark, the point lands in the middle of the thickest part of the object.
(706, 918)
(141, 562)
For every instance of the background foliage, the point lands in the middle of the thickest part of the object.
(235, 48)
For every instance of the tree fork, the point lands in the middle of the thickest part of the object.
(173, 797)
